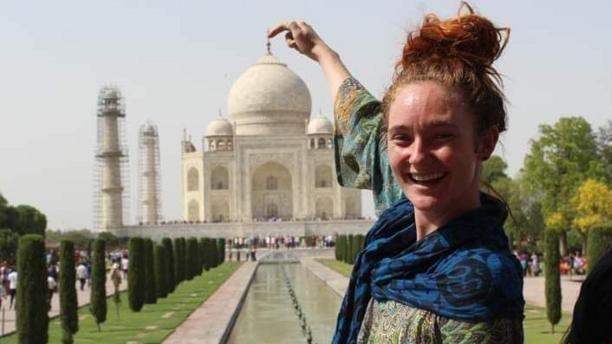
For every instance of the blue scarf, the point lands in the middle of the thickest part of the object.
(463, 271)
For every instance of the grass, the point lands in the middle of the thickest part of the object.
(153, 323)
(536, 326)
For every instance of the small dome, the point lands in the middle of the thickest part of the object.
(320, 125)
(219, 127)
(269, 99)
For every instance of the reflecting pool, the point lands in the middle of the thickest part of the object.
(268, 314)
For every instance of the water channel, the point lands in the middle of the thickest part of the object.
(268, 314)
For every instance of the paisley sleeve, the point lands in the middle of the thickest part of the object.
(360, 150)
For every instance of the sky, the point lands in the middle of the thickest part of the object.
(175, 62)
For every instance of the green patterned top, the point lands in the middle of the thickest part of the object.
(362, 162)
(361, 151)
(392, 322)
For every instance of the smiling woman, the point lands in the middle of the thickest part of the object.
(436, 266)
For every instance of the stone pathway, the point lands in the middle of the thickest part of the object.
(212, 322)
(82, 297)
(533, 287)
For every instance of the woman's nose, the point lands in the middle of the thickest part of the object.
(417, 152)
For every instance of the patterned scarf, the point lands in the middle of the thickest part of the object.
(463, 271)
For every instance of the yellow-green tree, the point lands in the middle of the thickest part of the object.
(592, 206)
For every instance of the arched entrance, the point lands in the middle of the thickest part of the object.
(271, 196)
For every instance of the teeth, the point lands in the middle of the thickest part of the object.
(425, 177)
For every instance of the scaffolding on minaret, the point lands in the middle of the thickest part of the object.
(149, 176)
(111, 171)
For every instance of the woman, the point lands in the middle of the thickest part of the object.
(436, 265)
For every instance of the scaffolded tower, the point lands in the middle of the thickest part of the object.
(149, 189)
(111, 196)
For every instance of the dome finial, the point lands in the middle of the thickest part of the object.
(268, 44)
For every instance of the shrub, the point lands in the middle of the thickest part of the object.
(97, 299)
(136, 274)
(32, 291)
(221, 250)
(67, 293)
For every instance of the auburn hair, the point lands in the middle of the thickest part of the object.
(458, 53)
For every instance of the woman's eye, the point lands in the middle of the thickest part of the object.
(401, 139)
(444, 136)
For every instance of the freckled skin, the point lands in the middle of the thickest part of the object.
(431, 133)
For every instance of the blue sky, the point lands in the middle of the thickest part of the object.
(176, 60)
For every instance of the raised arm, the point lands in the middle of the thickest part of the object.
(303, 38)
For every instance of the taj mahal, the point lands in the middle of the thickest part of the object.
(268, 169)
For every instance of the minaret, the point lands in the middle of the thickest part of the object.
(112, 161)
(149, 202)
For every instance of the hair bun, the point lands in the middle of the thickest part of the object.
(468, 37)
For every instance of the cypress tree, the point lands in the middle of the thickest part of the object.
(202, 248)
(214, 253)
(185, 257)
(67, 293)
(167, 242)
(179, 259)
(136, 274)
(190, 259)
(160, 271)
(221, 250)
(198, 257)
(599, 241)
(349, 251)
(552, 278)
(336, 251)
(97, 299)
(150, 296)
(32, 290)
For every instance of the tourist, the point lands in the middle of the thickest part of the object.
(124, 265)
(12, 278)
(592, 314)
(81, 274)
(52, 288)
(436, 265)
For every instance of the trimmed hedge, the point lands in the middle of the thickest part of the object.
(150, 296)
(599, 242)
(136, 274)
(552, 277)
(221, 250)
(32, 290)
(67, 293)
(97, 299)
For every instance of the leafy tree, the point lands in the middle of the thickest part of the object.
(493, 169)
(552, 278)
(32, 290)
(604, 149)
(136, 274)
(562, 157)
(98, 307)
(150, 296)
(8, 245)
(161, 271)
(109, 238)
(167, 242)
(67, 293)
(593, 205)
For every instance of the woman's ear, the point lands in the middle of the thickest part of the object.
(487, 143)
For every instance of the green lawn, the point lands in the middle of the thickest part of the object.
(536, 326)
(154, 322)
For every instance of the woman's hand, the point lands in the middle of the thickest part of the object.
(303, 38)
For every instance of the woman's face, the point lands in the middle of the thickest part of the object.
(433, 149)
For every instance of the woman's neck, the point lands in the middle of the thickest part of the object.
(428, 221)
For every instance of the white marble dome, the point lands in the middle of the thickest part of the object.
(320, 125)
(219, 127)
(269, 99)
